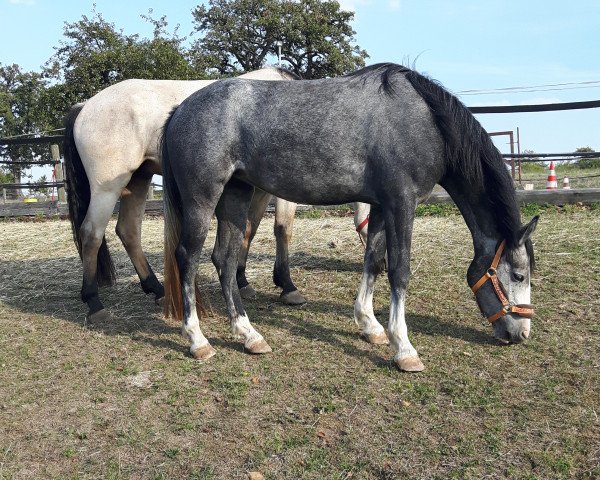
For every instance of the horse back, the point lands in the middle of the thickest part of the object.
(337, 132)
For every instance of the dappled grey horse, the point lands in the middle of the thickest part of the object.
(384, 135)
(111, 152)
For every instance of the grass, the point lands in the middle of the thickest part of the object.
(122, 399)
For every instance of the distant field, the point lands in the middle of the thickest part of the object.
(123, 400)
(578, 177)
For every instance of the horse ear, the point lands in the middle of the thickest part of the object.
(527, 230)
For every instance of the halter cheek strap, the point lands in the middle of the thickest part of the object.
(523, 310)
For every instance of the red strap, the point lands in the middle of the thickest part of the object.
(363, 224)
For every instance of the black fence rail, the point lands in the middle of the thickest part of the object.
(582, 196)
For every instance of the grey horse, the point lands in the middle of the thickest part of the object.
(384, 135)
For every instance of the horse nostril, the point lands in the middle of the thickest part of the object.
(524, 335)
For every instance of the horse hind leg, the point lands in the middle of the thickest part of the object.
(195, 226)
(284, 222)
(129, 230)
(231, 215)
(258, 205)
(91, 233)
(370, 329)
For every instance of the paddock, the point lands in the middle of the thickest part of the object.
(123, 399)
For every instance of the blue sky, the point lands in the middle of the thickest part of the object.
(466, 45)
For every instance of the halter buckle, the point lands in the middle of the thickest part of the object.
(490, 272)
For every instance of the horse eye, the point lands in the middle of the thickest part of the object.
(518, 277)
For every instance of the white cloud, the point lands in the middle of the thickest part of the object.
(22, 2)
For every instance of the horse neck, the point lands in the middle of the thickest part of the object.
(474, 204)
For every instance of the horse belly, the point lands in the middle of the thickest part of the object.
(319, 182)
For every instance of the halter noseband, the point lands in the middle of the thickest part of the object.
(524, 310)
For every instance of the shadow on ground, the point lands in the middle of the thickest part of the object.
(51, 288)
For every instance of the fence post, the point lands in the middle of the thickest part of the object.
(4, 194)
(59, 171)
(150, 195)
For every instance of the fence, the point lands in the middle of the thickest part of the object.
(552, 197)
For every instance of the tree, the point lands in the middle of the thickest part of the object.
(95, 54)
(317, 39)
(587, 162)
(239, 35)
(20, 94)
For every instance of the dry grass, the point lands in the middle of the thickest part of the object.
(123, 400)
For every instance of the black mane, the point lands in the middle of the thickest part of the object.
(468, 147)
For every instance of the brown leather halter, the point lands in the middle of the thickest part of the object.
(524, 310)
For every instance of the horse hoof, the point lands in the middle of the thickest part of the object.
(410, 364)
(375, 338)
(160, 301)
(98, 317)
(258, 347)
(247, 292)
(204, 353)
(292, 298)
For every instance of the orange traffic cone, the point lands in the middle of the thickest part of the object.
(551, 182)
(566, 185)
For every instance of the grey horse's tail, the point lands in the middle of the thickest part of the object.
(173, 304)
(78, 198)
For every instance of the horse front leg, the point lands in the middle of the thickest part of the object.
(129, 230)
(232, 212)
(370, 329)
(398, 227)
(258, 205)
(284, 221)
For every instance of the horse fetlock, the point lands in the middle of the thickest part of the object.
(375, 338)
(365, 319)
(152, 285)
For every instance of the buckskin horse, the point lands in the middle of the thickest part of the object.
(111, 148)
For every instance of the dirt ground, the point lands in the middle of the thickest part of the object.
(122, 399)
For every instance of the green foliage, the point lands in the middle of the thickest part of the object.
(317, 39)
(587, 163)
(6, 176)
(21, 98)
(310, 213)
(95, 55)
(437, 209)
(41, 189)
(532, 168)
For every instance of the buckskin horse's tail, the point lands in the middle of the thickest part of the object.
(78, 198)
(173, 304)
